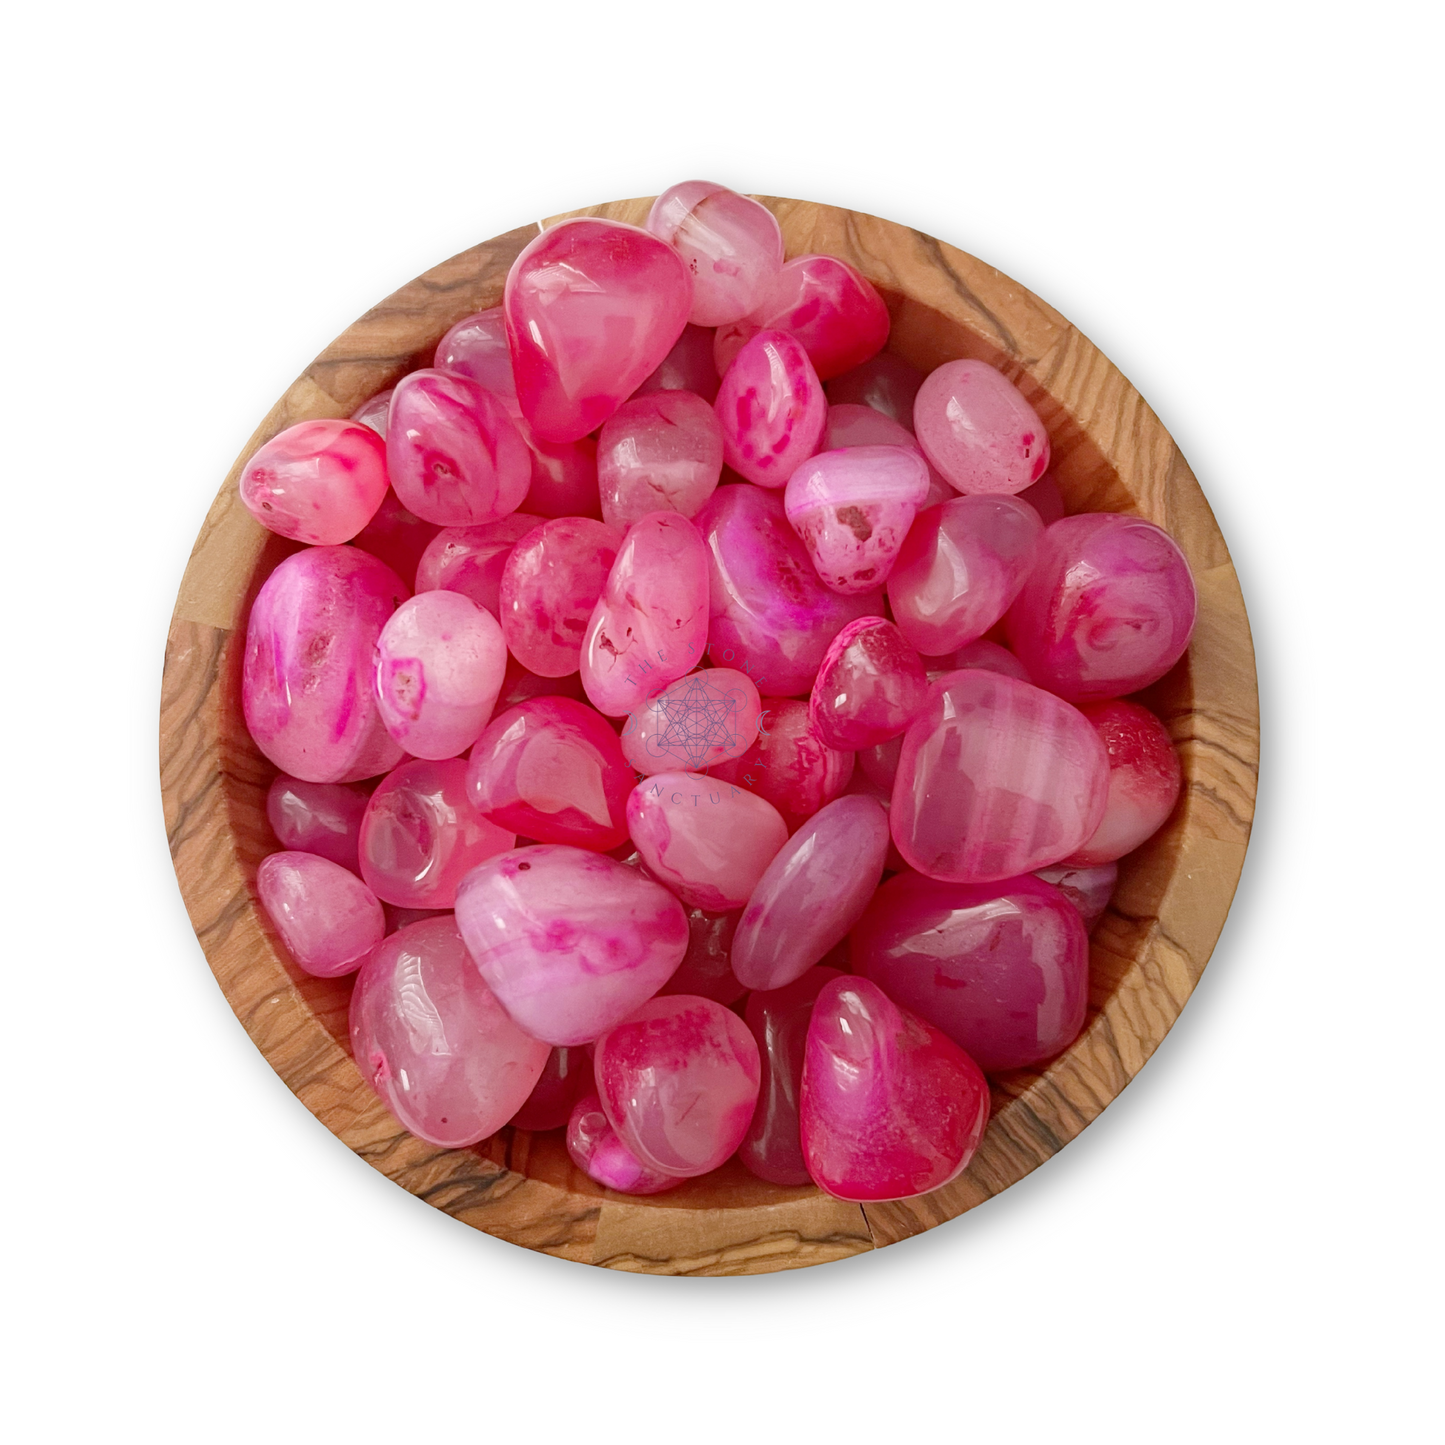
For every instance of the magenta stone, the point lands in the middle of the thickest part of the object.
(593, 1146)
(318, 481)
(772, 409)
(790, 765)
(470, 560)
(433, 1041)
(1088, 889)
(885, 382)
(704, 718)
(565, 1080)
(397, 538)
(662, 452)
(571, 941)
(706, 968)
(989, 657)
(879, 764)
(687, 367)
(327, 917)
(1144, 780)
(374, 411)
(320, 818)
(476, 347)
(564, 479)
(978, 429)
(1045, 498)
(1108, 608)
(306, 685)
(870, 687)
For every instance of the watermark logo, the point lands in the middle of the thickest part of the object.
(692, 723)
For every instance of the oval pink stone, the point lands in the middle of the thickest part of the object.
(1144, 780)
(566, 1079)
(989, 657)
(885, 382)
(320, 818)
(593, 1146)
(476, 347)
(704, 718)
(870, 687)
(470, 560)
(1088, 889)
(662, 452)
(771, 408)
(318, 482)
(397, 537)
(790, 765)
(328, 918)
(687, 367)
(978, 428)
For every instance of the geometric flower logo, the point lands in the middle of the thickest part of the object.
(700, 720)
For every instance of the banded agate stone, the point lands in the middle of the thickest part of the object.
(1144, 780)
(870, 687)
(320, 818)
(702, 719)
(470, 560)
(861, 426)
(978, 428)
(318, 482)
(661, 452)
(328, 918)
(593, 1146)
(771, 407)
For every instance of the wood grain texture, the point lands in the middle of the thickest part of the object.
(1111, 454)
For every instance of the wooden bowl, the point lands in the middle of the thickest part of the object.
(1111, 454)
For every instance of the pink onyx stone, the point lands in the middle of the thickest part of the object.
(593, 1146)
(890, 1107)
(870, 687)
(649, 627)
(814, 890)
(678, 1080)
(704, 718)
(455, 457)
(989, 657)
(687, 367)
(420, 835)
(373, 412)
(885, 383)
(1108, 608)
(960, 567)
(440, 661)
(706, 968)
(771, 615)
(564, 479)
(571, 941)
(306, 685)
(732, 245)
(771, 408)
(1144, 780)
(550, 583)
(476, 347)
(519, 685)
(1088, 889)
(551, 769)
(592, 309)
(434, 1042)
(318, 482)
(320, 818)
(327, 917)
(707, 840)
(778, 1018)
(996, 778)
(566, 1079)
(662, 452)
(397, 538)
(978, 429)
(790, 765)
(1045, 498)
(1002, 968)
(470, 560)
(879, 764)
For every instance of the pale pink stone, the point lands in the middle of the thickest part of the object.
(704, 718)
(861, 426)
(476, 347)
(433, 1041)
(687, 367)
(398, 538)
(885, 383)
(870, 687)
(989, 657)
(565, 1081)
(772, 409)
(320, 818)
(678, 1081)
(790, 765)
(318, 482)
(1045, 498)
(662, 452)
(706, 968)
(1144, 780)
(1088, 889)
(564, 479)
(470, 560)
(978, 429)
(860, 785)
(593, 1146)
(373, 412)
(327, 917)
(571, 941)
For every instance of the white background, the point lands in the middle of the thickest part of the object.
(1238, 203)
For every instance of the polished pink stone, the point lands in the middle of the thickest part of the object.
(860, 426)
(706, 968)
(649, 627)
(592, 309)
(420, 835)
(687, 367)
(870, 687)
(814, 890)
(790, 765)
(374, 411)
(661, 452)
(704, 718)
(731, 244)
(434, 1042)
(552, 769)
(996, 778)
(880, 763)
(707, 840)
(989, 657)
(772, 409)
(890, 1107)
(678, 1080)
(960, 567)
(593, 1146)
(571, 941)
(564, 479)
(327, 917)
(1002, 968)
(306, 686)
(885, 383)
(470, 560)
(860, 785)
(978, 429)
(320, 818)
(398, 538)
(566, 1079)
(318, 481)
(1144, 780)
(1088, 889)
(1108, 608)
(440, 661)
(519, 685)
(476, 347)
(455, 456)
(1045, 498)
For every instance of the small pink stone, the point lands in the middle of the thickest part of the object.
(687, 367)
(373, 413)
(790, 765)
(1088, 889)
(318, 482)
(772, 409)
(1144, 780)
(706, 968)
(1045, 498)
(593, 1146)
(704, 718)
(565, 1080)
(861, 426)
(870, 687)
(327, 917)
(885, 383)
(320, 818)
(678, 1080)
(470, 560)
(397, 538)
(476, 347)
(978, 429)
(989, 657)
(662, 452)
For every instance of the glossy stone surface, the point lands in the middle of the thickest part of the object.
(861, 426)
(704, 718)
(1144, 780)
(320, 818)
(772, 409)
(1108, 608)
(996, 778)
(433, 1041)
(318, 482)
(593, 1146)
(959, 568)
(551, 769)
(566, 1079)
(398, 538)
(327, 917)
(470, 560)
(885, 382)
(978, 429)
(870, 687)
(373, 412)
(592, 308)
(1002, 968)
(790, 765)
(571, 941)
(678, 1080)
(662, 452)
(306, 686)
(989, 657)
(1045, 498)
(1088, 889)
(890, 1107)
(687, 367)
(476, 347)
(706, 968)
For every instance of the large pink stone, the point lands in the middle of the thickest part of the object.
(1002, 968)
(890, 1107)
(687, 367)
(433, 1041)
(1108, 608)
(885, 382)
(398, 538)
(1088, 889)
(678, 1081)
(318, 481)
(571, 941)
(772, 409)
(996, 778)
(551, 769)
(470, 560)
(1144, 780)
(978, 428)
(989, 657)
(592, 308)
(306, 686)
(704, 718)
(328, 918)
(706, 968)
(320, 818)
(870, 687)
(661, 452)
(565, 1080)
(593, 1146)
(476, 347)
(790, 765)
(814, 890)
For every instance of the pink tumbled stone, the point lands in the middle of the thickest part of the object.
(890, 1107)
(1088, 889)
(989, 657)
(306, 684)
(1045, 498)
(704, 718)
(706, 968)
(397, 538)
(374, 411)
(434, 1042)
(551, 769)
(687, 367)
(571, 941)
(814, 890)
(470, 560)
(328, 918)
(870, 687)
(320, 818)
(861, 426)
(996, 778)
(420, 835)
(707, 840)
(790, 765)
(1144, 780)
(593, 1146)
(318, 482)
(960, 567)
(476, 347)
(1108, 608)
(649, 627)
(678, 1080)
(566, 1079)
(440, 661)
(978, 429)
(885, 383)
(1002, 968)
(771, 408)
(592, 309)
(662, 452)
